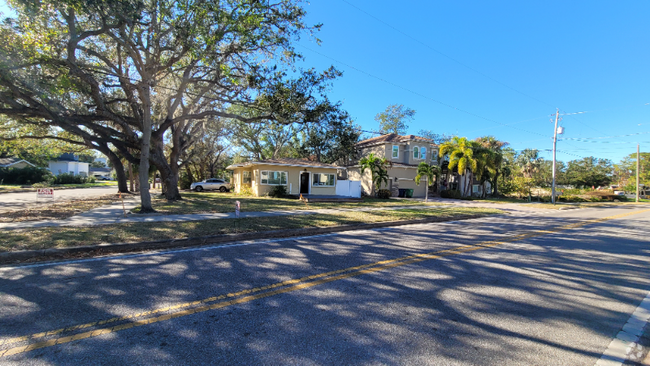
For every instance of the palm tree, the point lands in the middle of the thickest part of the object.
(378, 169)
(430, 172)
(495, 146)
(529, 162)
(461, 156)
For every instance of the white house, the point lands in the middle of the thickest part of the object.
(68, 163)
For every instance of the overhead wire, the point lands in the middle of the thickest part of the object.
(443, 54)
(418, 94)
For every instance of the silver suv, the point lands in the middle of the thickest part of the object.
(211, 184)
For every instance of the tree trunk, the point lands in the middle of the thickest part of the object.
(495, 192)
(168, 173)
(145, 197)
(131, 177)
(118, 166)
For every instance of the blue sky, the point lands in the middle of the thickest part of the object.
(500, 68)
(471, 67)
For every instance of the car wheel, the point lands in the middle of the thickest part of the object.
(198, 188)
(223, 189)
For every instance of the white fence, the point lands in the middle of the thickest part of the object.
(349, 188)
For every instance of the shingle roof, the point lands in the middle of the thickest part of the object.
(7, 162)
(286, 162)
(392, 137)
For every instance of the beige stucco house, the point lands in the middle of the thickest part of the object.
(405, 154)
(299, 176)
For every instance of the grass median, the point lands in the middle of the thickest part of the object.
(62, 237)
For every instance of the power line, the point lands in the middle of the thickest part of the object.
(604, 137)
(443, 54)
(416, 93)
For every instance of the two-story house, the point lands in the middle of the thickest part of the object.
(405, 154)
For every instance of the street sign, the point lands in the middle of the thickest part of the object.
(45, 193)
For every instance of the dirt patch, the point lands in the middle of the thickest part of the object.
(58, 210)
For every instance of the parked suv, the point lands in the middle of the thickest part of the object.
(211, 184)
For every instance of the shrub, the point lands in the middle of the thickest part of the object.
(184, 181)
(571, 199)
(28, 175)
(450, 193)
(383, 194)
(246, 191)
(278, 191)
(70, 178)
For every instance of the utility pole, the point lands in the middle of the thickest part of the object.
(637, 172)
(557, 115)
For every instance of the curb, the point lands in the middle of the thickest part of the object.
(102, 249)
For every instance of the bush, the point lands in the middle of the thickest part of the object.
(28, 175)
(450, 193)
(278, 191)
(70, 178)
(383, 194)
(184, 181)
(571, 199)
(246, 191)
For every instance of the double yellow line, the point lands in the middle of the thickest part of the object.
(245, 296)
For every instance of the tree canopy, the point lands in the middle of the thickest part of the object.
(121, 75)
(394, 119)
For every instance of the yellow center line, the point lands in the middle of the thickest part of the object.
(296, 284)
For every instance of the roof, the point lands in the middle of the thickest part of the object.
(285, 162)
(392, 137)
(7, 162)
(67, 157)
(106, 170)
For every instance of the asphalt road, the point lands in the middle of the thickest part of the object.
(546, 289)
(10, 201)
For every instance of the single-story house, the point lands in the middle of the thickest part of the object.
(299, 176)
(68, 163)
(15, 163)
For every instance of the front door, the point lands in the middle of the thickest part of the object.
(304, 183)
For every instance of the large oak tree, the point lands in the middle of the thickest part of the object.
(129, 77)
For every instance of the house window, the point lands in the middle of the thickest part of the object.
(246, 177)
(273, 178)
(395, 152)
(416, 152)
(423, 153)
(323, 180)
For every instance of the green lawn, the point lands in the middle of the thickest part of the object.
(205, 202)
(60, 237)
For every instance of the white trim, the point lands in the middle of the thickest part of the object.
(392, 151)
(413, 155)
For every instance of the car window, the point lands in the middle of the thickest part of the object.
(211, 180)
(219, 181)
